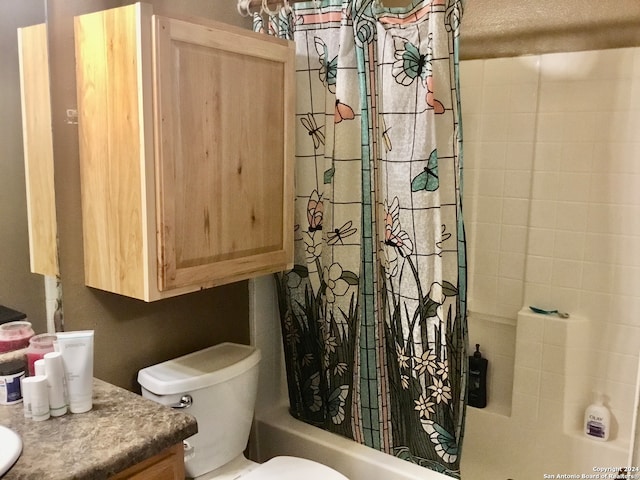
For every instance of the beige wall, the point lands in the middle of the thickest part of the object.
(19, 289)
(130, 334)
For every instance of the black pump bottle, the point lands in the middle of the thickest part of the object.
(477, 387)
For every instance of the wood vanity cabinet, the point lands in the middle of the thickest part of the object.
(167, 465)
(38, 149)
(186, 152)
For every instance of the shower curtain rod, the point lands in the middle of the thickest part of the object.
(246, 7)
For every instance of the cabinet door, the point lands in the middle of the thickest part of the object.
(38, 149)
(167, 465)
(224, 113)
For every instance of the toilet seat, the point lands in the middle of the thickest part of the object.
(292, 468)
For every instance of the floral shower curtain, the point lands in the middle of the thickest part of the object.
(373, 312)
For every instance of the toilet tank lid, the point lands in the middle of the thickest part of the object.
(199, 369)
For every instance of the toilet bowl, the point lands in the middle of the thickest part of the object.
(292, 468)
(218, 386)
(278, 468)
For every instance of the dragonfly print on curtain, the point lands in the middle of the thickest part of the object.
(373, 311)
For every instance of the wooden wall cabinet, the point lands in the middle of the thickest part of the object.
(38, 149)
(186, 152)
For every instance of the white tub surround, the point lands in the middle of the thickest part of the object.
(552, 386)
(278, 433)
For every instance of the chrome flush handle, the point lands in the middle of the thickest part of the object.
(185, 402)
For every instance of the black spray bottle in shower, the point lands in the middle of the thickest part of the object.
(477, 386)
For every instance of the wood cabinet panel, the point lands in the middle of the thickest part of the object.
(223, 160)
(167, 465)
(112, 152)
(186, 147)
(38, 149)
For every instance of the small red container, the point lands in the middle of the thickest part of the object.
(15, 335)
(38, 346)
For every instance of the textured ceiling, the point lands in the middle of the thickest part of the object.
(502, 28)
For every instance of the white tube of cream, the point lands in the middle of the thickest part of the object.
(26, 396)
(39, 392)
(55, 378)
(77, 357)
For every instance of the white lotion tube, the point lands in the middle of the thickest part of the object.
(25, 386)
(77, 357)
(39, 393)
(39, 367)
(55, 379)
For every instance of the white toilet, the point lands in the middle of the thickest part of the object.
(218, 387)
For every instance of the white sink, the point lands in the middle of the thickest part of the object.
(11, 449)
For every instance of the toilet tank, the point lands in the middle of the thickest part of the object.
(222, 382)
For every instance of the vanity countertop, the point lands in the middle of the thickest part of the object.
(120, 431)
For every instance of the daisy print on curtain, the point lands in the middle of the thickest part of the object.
(373, 312)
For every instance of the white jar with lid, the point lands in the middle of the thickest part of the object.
(11, 372)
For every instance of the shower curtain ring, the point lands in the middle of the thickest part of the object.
(243, 7)
(265, 8)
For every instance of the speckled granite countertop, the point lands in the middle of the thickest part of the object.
(120, 431)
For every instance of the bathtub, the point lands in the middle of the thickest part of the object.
(278, 433)
(529, 429)
(275, 432)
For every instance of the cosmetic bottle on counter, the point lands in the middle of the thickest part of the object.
(477, 388)
(15, 335)
(77, 357)
(39, 368)
(56, 382)
(38, 346)
(11, 374)
(39, 395)
(26, 396)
